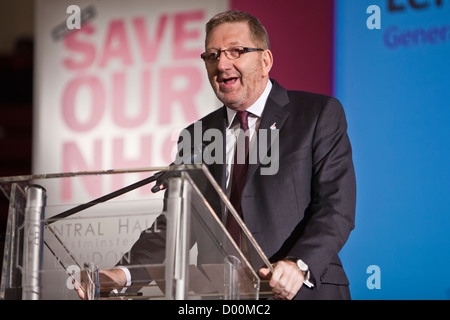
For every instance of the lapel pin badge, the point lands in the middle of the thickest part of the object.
(274, 126)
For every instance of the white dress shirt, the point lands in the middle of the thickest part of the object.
(254, 119)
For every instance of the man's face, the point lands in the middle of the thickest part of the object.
(237, 83)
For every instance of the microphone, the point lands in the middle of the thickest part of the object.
(162, 177)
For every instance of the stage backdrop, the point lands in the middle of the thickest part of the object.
(114, 93)
(394, 83)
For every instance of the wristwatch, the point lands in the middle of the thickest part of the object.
(302, 266)
(305, 269)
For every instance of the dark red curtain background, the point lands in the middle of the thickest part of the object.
(301, 35)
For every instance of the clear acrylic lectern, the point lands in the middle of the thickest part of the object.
(64, 229)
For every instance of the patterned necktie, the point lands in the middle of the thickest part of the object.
(238, 178)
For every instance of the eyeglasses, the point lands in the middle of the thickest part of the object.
(232, 53)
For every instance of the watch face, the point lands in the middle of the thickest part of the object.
(303, 266)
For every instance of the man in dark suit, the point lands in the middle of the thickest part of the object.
(302, 213)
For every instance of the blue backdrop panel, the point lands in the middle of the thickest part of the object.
(394, 83)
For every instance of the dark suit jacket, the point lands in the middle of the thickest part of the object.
(307, 209)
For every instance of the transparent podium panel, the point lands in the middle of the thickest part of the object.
(68, 231)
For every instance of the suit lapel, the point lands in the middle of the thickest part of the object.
(275, 115)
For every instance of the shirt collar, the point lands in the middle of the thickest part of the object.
(255, 109)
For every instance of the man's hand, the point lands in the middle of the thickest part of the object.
(286, 280)
(109, 280)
